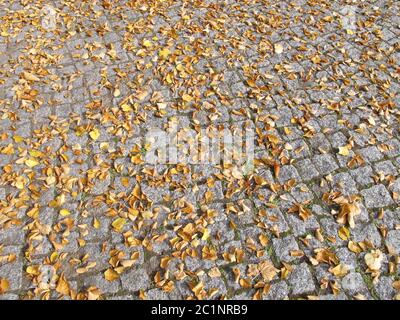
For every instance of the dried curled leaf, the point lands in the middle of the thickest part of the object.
(29, 76)
(340, 270)
(4, 285)
(347, 213)
(344, 233)
(374, 259)
(118, 224)
(94, 134)
(344, 151)
(267, 270)
(111, 275)
(63, 285)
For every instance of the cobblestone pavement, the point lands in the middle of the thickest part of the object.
(83, 216)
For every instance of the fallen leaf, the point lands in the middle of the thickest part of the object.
(344, 233)
(65, 212)
(29, 76)
(31, 163)
(4, 285)
(267, 270)
(374, 259)
(164, 53)
(344, 151)
(63, 286)
(187, 98)
(118, 224)
(147, 43)
(339, 271)
(278, 48)
(111, 275)
(347, 213)
(94, 134)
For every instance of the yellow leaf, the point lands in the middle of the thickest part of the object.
(339, 271)
(93, 293)
(33, 270)
(344, 233)
(54, 256)
(135, 255)
(245, 283)
(65, 212)
(126, 107)
(263, 239)
(18, 139)
(214, 273)
(147, 214)
(141, 95)
(168, 78)
(136, 191)
(104, 146)
(371, 121)
(187, 98)
(20, 182)
(236, 173)
(111, 275)
(396, 285)
(354, 247)
(117, 93)
(33, 213)
(147, 43)
(206, 234)
(81, 242)
(30, 77)
(344, 151)
(96, 223)
(60, 199)
(94, 134)
(31, 163)
(164, 53)
(118, 224)
(8, 149)
(137, 159)
(125, 181)
(35, 153)
(50, 180)
(62, 286)
(198, 288)
(127, 263)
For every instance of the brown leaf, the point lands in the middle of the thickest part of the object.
(63, 286)
(4, 285)
(347, 213)
(268, 271)
(339, 271)
(111, 275)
